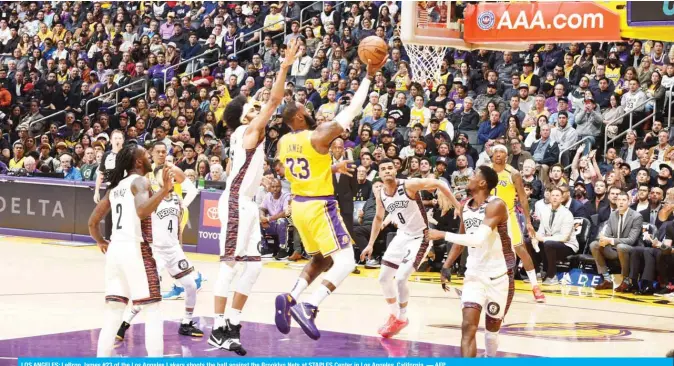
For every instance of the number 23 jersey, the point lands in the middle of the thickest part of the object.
(308, 171)
(408, 213)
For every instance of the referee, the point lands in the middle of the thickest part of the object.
(104, 170)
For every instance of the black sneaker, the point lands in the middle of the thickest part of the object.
(218, 336)
(188, 329)
(122, 331)
(282, 254)
(233, 341)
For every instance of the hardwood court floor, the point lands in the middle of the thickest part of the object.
(51, 302)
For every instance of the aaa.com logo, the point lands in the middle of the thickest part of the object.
(209, 214)
(486, 20)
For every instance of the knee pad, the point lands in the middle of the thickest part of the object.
(343, 264)
(386, 281)
(190, 285)
(249, 274)
(225, 276)
(403, 290)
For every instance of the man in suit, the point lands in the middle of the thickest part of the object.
(650, 214)
(619, 237)
(345, 186)
(576, 207)
(556, 235)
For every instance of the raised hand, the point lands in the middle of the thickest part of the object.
(372, 69)
(291, 53)
(167, 178)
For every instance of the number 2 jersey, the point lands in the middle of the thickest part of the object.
(494, 257)
(408, 213)
(308, 171)
(247, 166)
(127, 227)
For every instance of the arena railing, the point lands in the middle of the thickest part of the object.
(620, 135)
(669, 105)
(51, 116)
(259, 42)
(620, 118)
(183, 62)
(116, 92)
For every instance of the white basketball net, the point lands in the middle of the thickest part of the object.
(425, 62)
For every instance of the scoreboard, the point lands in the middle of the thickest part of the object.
(650, 13)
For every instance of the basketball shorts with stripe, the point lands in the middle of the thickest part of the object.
(406, 249)
(131, 274)
(240, 231)
(172, 259)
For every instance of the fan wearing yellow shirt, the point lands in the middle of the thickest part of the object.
(509, 188)
(315, 214)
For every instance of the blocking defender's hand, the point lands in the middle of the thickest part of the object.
(291, 53)
(372, 69)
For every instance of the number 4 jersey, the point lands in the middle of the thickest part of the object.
(308, 171)
(166, 223)
(408, 213)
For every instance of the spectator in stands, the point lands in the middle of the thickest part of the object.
(273, 215)
(588, 124)
(556, 235)
(70, 172)
(616, 241)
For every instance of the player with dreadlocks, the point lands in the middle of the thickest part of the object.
(130, 270)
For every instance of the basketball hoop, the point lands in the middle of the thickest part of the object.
(427, 42)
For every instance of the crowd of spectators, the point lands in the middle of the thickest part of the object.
(551, 105)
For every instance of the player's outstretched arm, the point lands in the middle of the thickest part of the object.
(454, 254)
(376, 228)
(101, 209)
(146, 205)
(429, 184)
(256, 130)
(495, 214)
(327, 132)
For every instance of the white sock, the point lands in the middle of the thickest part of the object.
(319, 295)
(402, 316)
(532, 277)
(218, 321)
(234, 316)
(187, 318)
(300, 286)
(394, 309)
(491, 343)
(130, 313)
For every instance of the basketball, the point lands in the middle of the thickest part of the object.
(373, 48)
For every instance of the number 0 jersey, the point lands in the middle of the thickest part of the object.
(166, 223)
(308, 171)
(408, 213)
(505, 189)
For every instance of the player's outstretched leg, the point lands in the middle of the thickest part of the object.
(305, 313)
(187, 325)
(284, 302)
(528, 263)
(129, 314)
(386, 281)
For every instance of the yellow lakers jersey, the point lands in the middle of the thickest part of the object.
(401, 85)
(308, 171)
(505, 189)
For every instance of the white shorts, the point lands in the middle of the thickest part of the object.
(131, 275)
(494, 293)
(174, 260)
(240, 231)
(406, 249)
